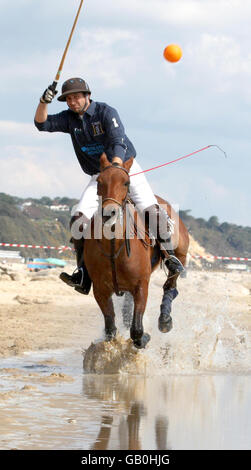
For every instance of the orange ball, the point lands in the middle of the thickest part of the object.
(173, 53)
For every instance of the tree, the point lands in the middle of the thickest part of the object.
(46, 201)
(213, 222)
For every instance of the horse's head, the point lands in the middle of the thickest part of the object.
(113, 185)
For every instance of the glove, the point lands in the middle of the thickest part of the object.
(48, 95)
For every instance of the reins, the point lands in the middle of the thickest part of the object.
(114, 165)
(115, 254)
(114, 200)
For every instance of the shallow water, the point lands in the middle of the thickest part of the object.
(52, 404)
(189, 389)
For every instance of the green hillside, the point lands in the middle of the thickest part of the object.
(32, 221)
(35, 224)
(220, 239)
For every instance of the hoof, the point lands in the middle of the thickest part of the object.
(110, 334)
(165, 323)
(142, 342)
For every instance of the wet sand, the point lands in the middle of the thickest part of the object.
(38, 311)
(200, 370)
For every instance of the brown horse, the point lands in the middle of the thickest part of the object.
(116, 264)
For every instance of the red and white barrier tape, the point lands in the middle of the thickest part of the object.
(21, 245)
(64, 248)
(232, 258)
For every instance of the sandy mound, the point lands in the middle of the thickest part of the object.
(195, 251)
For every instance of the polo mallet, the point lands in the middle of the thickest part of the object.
(54, 84)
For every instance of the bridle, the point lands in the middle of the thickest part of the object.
(123, 203)
(114, 255)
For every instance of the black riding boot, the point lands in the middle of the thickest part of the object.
(80, 278)
(161, 226)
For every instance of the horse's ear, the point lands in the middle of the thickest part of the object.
(104, 161)
(128, 164)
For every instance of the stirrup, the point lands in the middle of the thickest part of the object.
(83, 285)
(71, 279)
(174, 264)
(76, 271)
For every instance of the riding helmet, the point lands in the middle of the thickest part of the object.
(73, 85)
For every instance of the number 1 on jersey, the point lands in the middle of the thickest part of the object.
(115, 122)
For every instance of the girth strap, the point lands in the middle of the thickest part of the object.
(112, 257)
(113, 266)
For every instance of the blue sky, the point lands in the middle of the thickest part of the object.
(168, 110)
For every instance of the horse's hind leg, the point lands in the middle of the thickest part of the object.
(140, 339)
(170, 292)
(106, 305)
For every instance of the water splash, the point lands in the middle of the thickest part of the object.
(118, 355)
(204, 339)
(199, 343)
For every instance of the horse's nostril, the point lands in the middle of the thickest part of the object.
(105, 218)
(111, 213)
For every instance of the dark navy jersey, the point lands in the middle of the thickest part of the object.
(99, 130)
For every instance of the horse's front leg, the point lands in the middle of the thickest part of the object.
(105, 303)
(140, 339)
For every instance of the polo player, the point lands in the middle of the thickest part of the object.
(96, 127)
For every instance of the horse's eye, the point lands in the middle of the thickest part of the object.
(127, 183)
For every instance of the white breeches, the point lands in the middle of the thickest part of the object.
(140, 192)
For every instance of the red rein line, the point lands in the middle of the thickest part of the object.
(180, 158)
